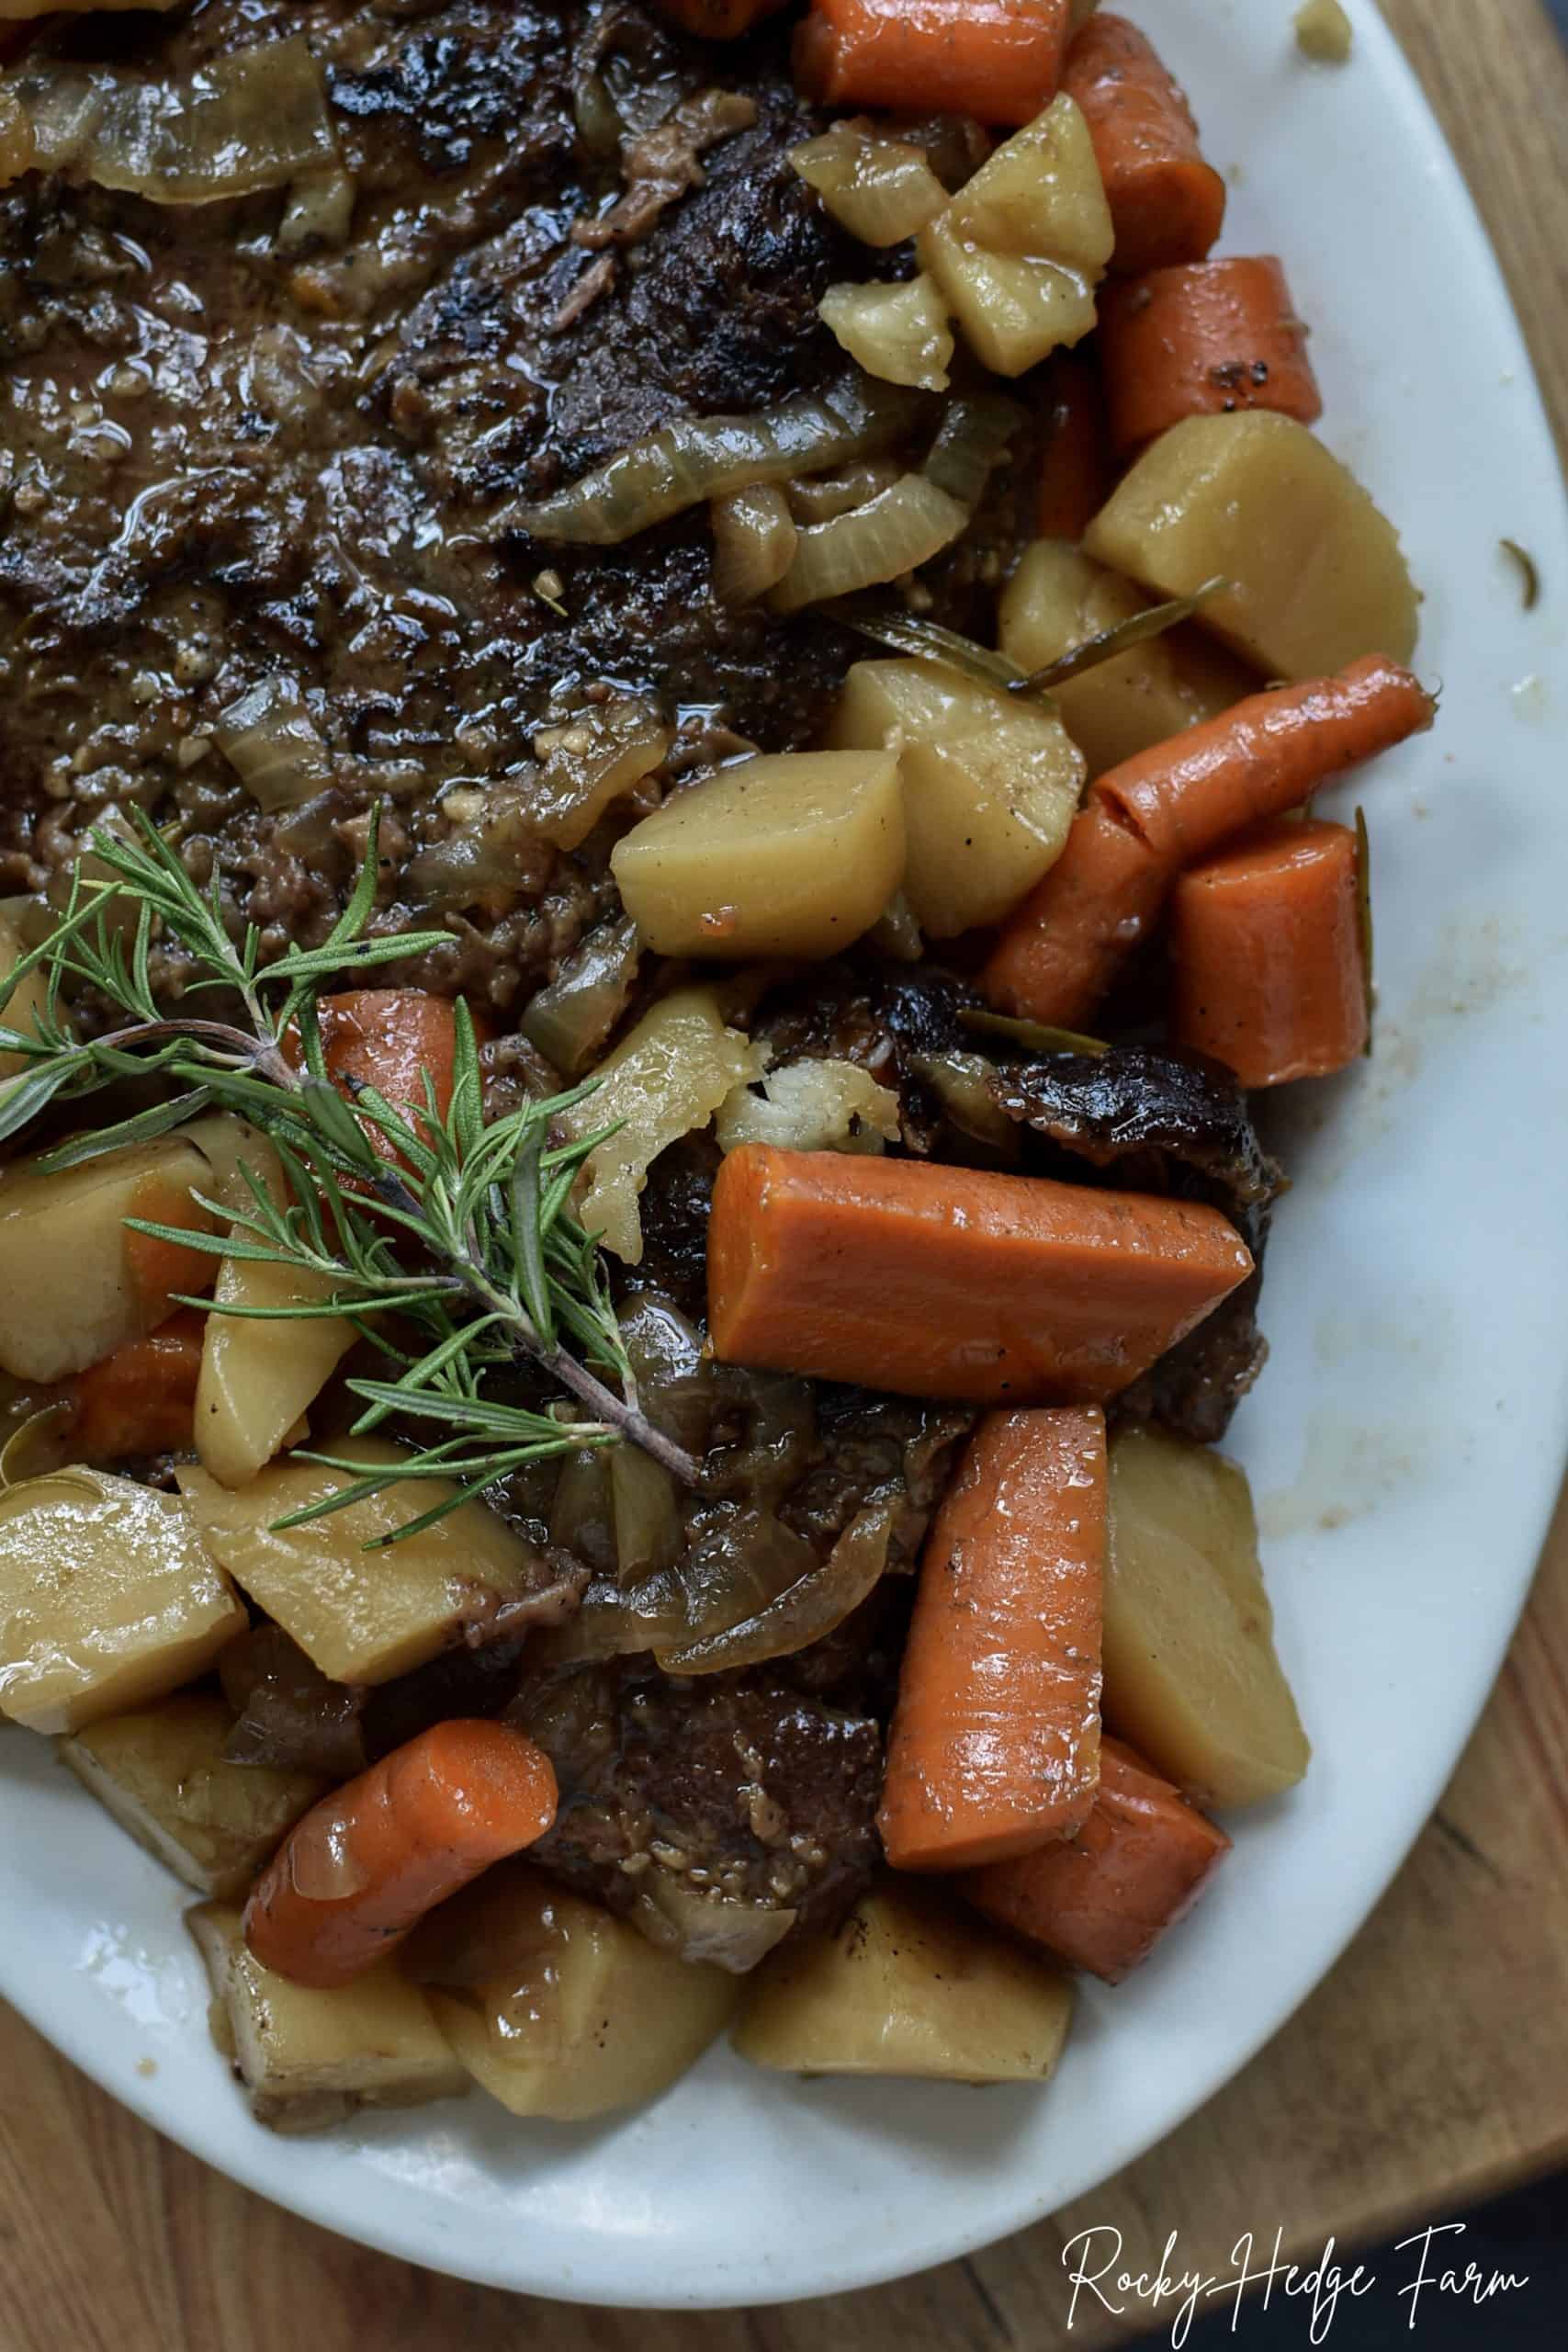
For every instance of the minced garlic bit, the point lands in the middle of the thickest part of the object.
(1324, 32)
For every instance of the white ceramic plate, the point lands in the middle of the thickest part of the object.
(1405, 1443)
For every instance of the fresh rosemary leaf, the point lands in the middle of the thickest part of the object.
(1137, 629)
(373, 1193)
(163, 1119)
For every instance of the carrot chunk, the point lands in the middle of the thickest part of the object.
(948, 1282)
(1266, 968)
(1203, 339)
(1169, 808)
(390, 1039)
(999, 60)
(365, 1865)
(1167, 203)
(995, 1742)
(1102, 1899)
(141, 1399)
(1075, 474)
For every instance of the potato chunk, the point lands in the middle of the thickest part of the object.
(309, 2059)
(1316, 574)
(990, 787)
(557, 2008)
(361, 1616)
(164, 1775)
(665, 1079)
(108, 1598)
(75, 1284)
(258, 1378)
(1021, 247)
(1191, 1677)
(909, 1986)
(1058, 599)
(794, 854)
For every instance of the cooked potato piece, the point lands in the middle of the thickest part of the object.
(30, 1000)
(108, 1598)
(1021, 247)
(811, 1106)
(665, 1078)
(989, 785)
(163, 1774)
(576, 2013)
(258, 1378)
(898, 332)
(1191, 1673)
(75, 1284)
(794, 854)
(361, 1616)
(309, 2059)
(909, 1986)
(1316, 574)
(1058, 599)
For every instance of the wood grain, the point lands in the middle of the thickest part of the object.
(1431, 2068)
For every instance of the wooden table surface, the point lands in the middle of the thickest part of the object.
(1430, 2069)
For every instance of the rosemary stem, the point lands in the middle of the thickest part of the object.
(623, 1416)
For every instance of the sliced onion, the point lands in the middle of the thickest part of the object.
(257, 119)
(972, 443)
(961, 1083)
(700, 1926)
(897, 934)
(895, 534)
(728, 1578)
(821, 498)
(753, 542)
(802, 1614)
(269, 735)
(582, 1516)
(704, 457)
(319, 211)
(17, 143)
(648, 1534)
(597, 755)
(665, 1352)
(572, 1020)
(881, 190)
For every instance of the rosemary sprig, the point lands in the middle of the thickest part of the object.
(448, 1241)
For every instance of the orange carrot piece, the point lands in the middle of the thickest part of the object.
(390, 1038)
(1101, 1900)
(141, 1399)
(999, 60)
(1166, 203)
(1170, 807)
(995, 1742)
(1203, 338)
(949, 1282)
(1058, 954)
(1266, 968)
(1076, 475)
(1264, 757)
(365, 1865)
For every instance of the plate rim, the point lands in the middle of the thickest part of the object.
(97, 2055)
